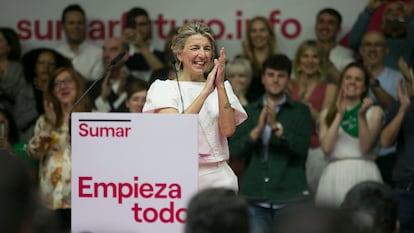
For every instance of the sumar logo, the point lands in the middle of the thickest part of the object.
(87, 130)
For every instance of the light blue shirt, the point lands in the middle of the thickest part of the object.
(388, 79)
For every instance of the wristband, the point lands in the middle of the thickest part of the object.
(375, 83)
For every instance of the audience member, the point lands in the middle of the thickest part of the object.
(20, 209)
(398, 27)
(11, 72)
(219, 111)
(144, 58)
(384, 79)
(109, 94)
(9, 140)
(310, 87)
(85, 57)
(136, 95)
(307, 218)
(17, 195)
(383, 89)
(408, 74)
(327, 27)
(259, 43)
(274, 139)
(376, 200)
(8, 130)
(38, 65)
(399, 129)
(217, 210)
(239, 73)
(349, 130)
(51, 141)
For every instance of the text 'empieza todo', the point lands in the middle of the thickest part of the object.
(88, 188)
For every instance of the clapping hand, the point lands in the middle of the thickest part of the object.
(211, 79)
(403, 96)
(271, 119)
(408, 75)
(50, 114)
(221, 65)
(366, 103)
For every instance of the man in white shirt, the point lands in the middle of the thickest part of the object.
(327, 27)
(85, 57)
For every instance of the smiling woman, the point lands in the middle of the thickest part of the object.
(311, 88)
(349, 130)
(218, 108)
(51, 141)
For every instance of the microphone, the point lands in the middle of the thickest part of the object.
(173, 61)
(108, 68)
(117, 59)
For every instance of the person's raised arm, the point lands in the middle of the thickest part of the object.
(390, 133)
(227, 121)
(361, 25)
(328, 134)
(368, 131)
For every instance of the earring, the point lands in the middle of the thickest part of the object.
(178, 65)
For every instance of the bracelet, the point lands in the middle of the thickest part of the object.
(277, 127)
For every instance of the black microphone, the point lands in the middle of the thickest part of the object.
(173, 61)
(117, 59)
(108, 68)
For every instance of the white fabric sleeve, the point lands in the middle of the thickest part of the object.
(161, 94)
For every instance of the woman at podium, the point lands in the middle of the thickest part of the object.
(210, 96)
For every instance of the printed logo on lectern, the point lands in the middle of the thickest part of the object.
(88, 129)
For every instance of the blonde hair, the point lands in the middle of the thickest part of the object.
(305, 45)
(191, 29)
(272, 42)
(239, 65)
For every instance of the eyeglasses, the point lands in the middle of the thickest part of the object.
(65, 82)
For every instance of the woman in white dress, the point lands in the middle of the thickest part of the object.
(212, 98)
(349, 132)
